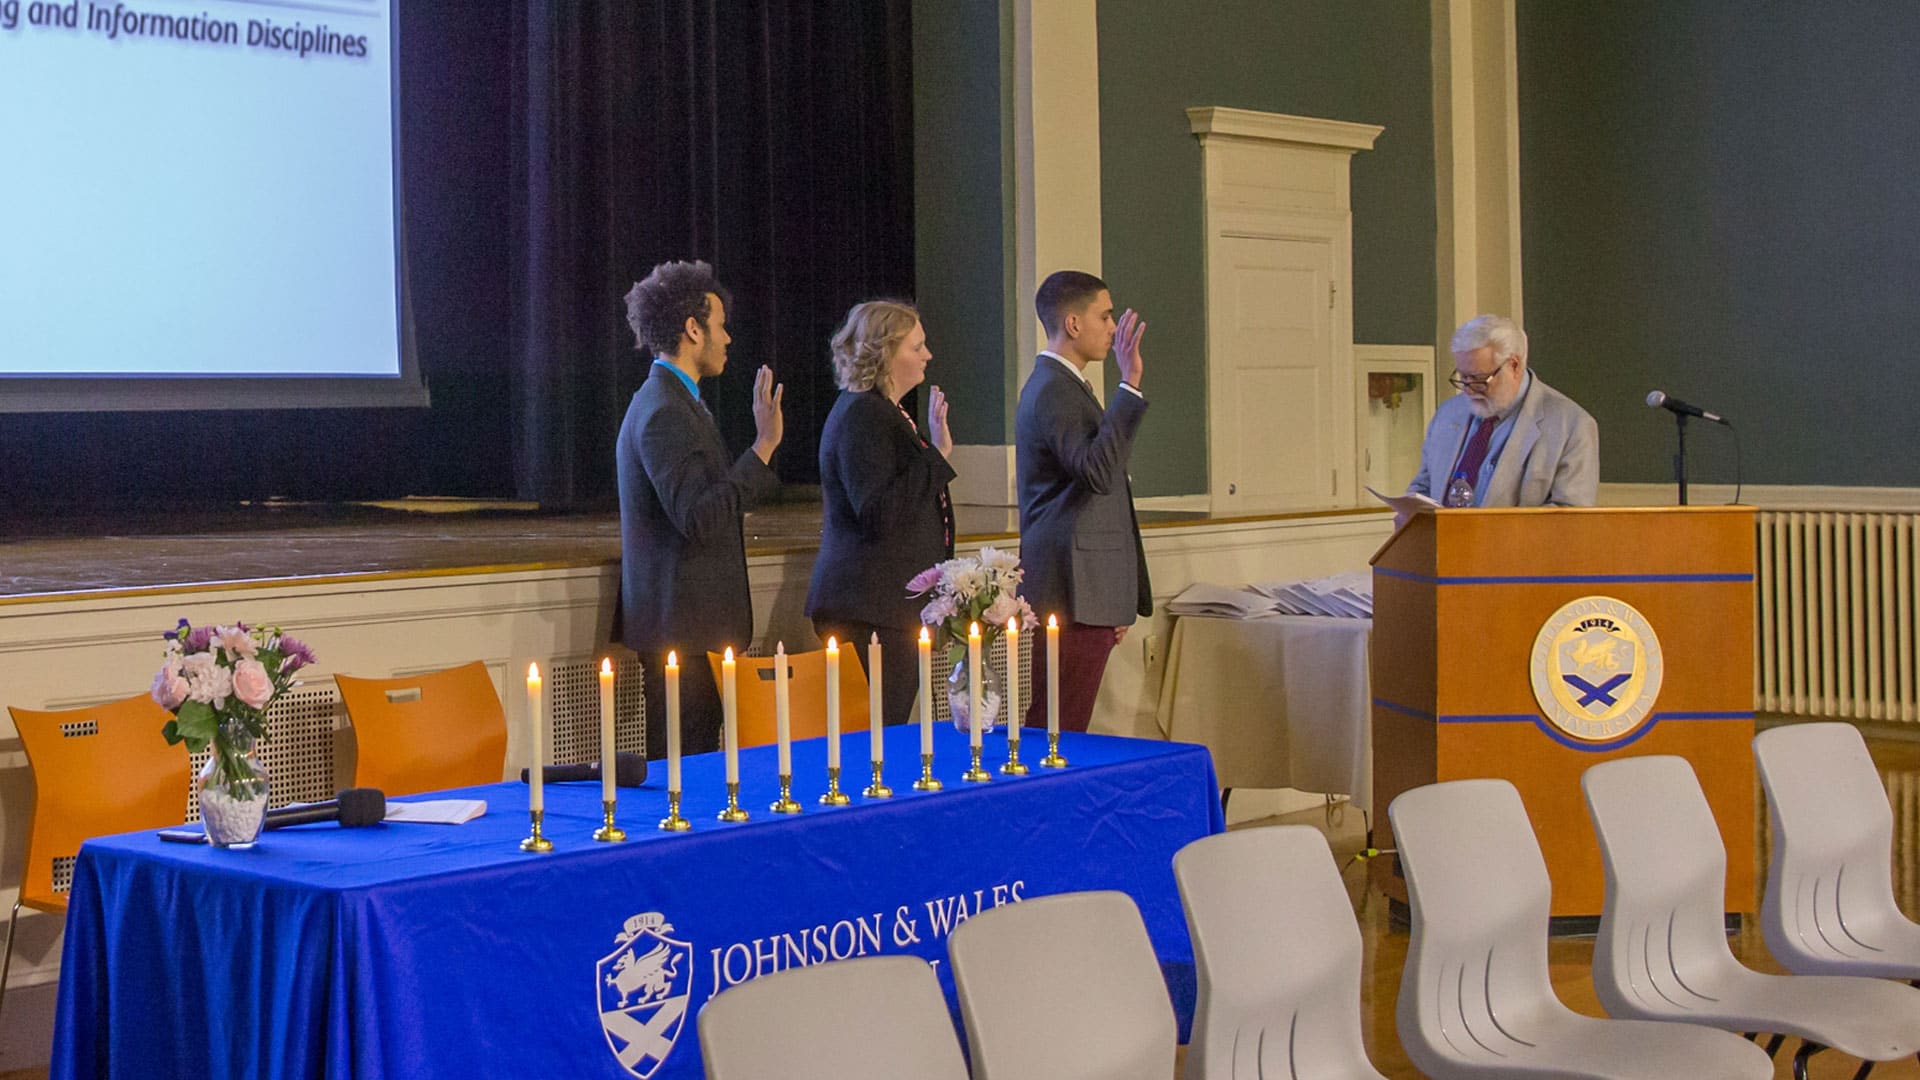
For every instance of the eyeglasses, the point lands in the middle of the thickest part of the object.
(1478, 383)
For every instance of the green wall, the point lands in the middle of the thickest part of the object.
(1368, 61)
(1718, 200)
(962, 176)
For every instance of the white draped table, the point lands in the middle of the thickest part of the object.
(1281, 701)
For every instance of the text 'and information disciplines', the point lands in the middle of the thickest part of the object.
(263, 31)
(225, 170)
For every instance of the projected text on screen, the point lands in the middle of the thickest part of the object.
(198, 189)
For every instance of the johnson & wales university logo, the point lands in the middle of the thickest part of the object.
(644, 987)
(1596, 669)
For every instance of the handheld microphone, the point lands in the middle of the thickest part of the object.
(353, 808)
(629, 770)
(1658, 399)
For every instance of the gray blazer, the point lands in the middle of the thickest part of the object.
(1551, 458)
(1079, 540)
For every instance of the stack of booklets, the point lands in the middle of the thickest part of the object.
(1343, 596)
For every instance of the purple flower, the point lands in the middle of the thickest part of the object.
(199, 638)
(294, 654)
(924, 580)
(169, 688)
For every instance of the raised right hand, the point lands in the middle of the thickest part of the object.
(938, 431)
(768, 423)
(1126, 348)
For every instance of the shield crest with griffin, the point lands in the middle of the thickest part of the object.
(644, 986)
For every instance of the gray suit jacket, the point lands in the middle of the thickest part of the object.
(1079, 540)
(683, 559)
(1552, 456)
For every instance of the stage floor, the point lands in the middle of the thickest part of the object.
(280, 541)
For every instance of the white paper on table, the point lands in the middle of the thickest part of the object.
(437, 811)
(1220, 601)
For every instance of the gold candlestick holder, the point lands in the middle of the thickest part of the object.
(975, 774)
(733, 812)
(1014, 766)
(785, 804)
(536, 843)
(673, 822)
(834, 796)
(1053, 760)
(878, 789)
(926, 781)
(609, 832)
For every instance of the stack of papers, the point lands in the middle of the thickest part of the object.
(1341, 596)
(1344, 596)
(437, 811)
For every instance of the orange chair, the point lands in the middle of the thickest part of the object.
(444, 729)
(806, 694)
(96, 771)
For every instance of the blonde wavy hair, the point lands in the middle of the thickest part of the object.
(863, 343)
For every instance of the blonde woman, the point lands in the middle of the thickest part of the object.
(883, 481)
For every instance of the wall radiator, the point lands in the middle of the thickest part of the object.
(1834, 612)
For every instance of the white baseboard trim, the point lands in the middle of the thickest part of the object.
(1191, 503)
(985, 475)
(1769, 496)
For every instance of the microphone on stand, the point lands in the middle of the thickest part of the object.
(1658, 399)
(353, 808)
(629, 770)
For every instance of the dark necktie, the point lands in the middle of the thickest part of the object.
(1475, 454)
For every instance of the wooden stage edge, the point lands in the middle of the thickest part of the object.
(249, 546)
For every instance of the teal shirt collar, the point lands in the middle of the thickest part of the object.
(692, 387)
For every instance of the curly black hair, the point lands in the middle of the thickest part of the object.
(658, 308)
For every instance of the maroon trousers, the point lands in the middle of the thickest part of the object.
(1083, 661)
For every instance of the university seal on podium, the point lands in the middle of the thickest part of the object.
(644, 986)
(1596, 668)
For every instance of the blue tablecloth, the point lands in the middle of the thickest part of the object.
(412, 951)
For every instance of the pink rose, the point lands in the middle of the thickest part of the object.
(169, 688)
(251, 684)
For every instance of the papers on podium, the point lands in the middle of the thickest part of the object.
(1407, 505)
(437, 811)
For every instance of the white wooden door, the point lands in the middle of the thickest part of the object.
(1275, 436)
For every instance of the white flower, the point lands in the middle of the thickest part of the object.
(207, 681)
(1004, 607)
(968, 582)
(994, 559)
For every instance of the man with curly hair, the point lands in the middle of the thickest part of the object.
(683, 565)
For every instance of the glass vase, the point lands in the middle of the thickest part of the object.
(233, 789)
(958, 696)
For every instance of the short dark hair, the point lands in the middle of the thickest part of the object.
(1064, 292)
(658, 307)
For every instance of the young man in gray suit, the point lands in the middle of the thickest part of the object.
(1507, 439)
(1079, 540)
(683, 561)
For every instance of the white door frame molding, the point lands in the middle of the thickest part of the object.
(1275, 176)
(1476, 145)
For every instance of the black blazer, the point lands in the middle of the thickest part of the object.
(1079, 540)
(884, 520)
(683, 558)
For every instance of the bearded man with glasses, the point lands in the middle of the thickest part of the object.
(1507, 438)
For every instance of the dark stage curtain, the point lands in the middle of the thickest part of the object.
(772, 138)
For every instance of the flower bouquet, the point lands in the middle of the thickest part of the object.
(981, 588)
(217, 681)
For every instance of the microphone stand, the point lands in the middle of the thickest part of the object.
(1680, 458)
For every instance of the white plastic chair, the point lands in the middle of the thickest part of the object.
(1278, 958)
(1063, 987)
(1662, 952)
(1475, 998)
(875, 1018)
(1829, 907)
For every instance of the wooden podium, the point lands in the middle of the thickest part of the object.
(1479, 615)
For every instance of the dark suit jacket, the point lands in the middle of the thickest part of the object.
(1079, 540)
(683, 561)
(883, 517)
